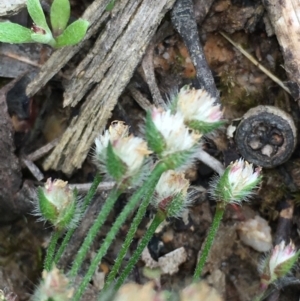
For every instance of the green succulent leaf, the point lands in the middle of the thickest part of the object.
(59, 16)
(110, 5)
(73, 34)
(37, 15)
(43, 38)
(14, 33)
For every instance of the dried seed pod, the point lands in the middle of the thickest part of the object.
(266, 136)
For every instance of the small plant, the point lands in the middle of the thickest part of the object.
(276, 266)
(54, 286)
(61, 34)
(57, 204)
(234, 186)
(172, 137)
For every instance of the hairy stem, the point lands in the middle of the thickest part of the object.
(145, 190)
(130, 235)
(102, 216)
(209, 240)
(85, 204)
(51, 249)
(158, 219)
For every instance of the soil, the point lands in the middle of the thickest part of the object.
(232, 267)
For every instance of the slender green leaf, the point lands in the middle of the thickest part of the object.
(37, 15)
(115, 166)
(59, 15)
(73, 34)
(14, 33)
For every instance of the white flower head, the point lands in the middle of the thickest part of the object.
(124, 160)
(58, 193)
(279, 262)
(176, 135)
(101, 143)
(199, 109)
(54, 286)
(132, 151)
(118, 129)
(237, 182)
(57, 203)
(171, 195)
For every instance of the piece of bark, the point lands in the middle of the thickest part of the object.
(96, 15)
(148, 65)
(285, 18)
(92, 69)
(11, 7)
(184, 21)
(111, 72)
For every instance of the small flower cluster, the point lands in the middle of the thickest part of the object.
(171, 196)
(199, 110)
(279, 263)
(57, 203)
(237, 182)
(119, 154)
(173, 134)
(54, 286)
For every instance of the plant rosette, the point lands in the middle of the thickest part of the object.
(61, 35)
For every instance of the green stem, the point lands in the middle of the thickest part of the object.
(209, 240)
(158, 219)
(148, 188)
(85, 204)
(51, 249)
(102, 216)
(128, 240)
(130, 235)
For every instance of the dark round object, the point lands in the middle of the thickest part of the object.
(266, 136)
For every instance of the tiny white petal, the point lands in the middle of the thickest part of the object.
(176, 135)
(170, 185)
(198, 105)
(280, 254)
(101, 143)
(132, 151)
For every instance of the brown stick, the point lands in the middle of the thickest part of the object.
(284, 18)
(184, 21)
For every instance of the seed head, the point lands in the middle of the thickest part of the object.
(279, 262)
(54, 286)
(120, 155)
(237, 182)
(199, 110)
(171, 195)
(57, 203)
